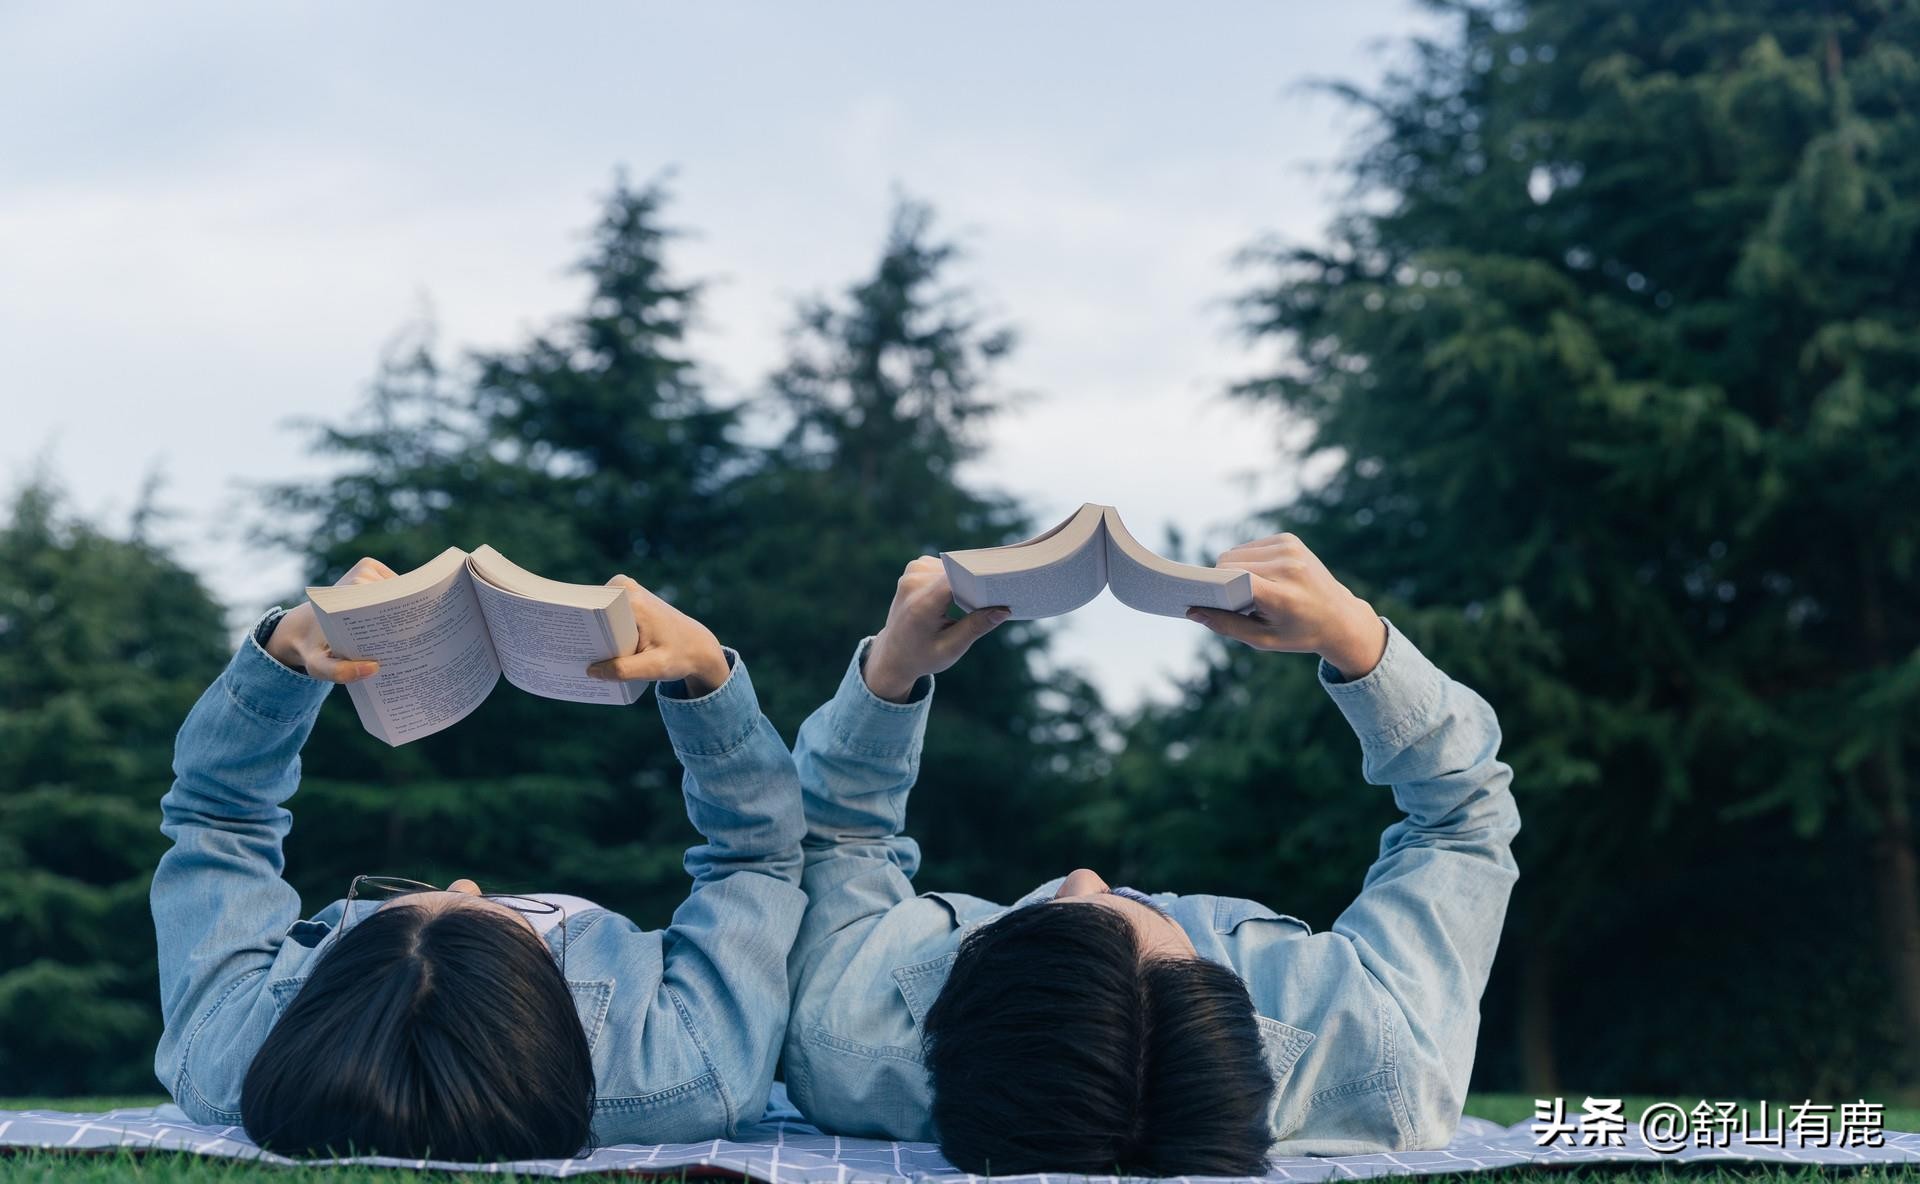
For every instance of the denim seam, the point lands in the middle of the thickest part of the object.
(639, 1101)
(184, 1084)
(726, 749)
(857, 677)
(706, 1058)
(798, 1076)
(1374, 1082)
(1420, 713)
(262, 713)
(1368, 684)
(1396, 1096)
(911, 750)
(892, 1052)
(186, 1049)
(864, 696)
(1368, 689)
(602, 989)
(592, 918)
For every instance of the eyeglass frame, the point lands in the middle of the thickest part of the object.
(399, 886)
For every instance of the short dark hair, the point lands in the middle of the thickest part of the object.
(1056, 1046)
(442, 1032)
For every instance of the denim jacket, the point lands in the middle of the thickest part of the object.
(684, 1024)
(1369, 1028)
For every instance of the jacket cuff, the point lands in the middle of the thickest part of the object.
(864, 722)
(260, 684)
(1393, 699)
(714, 723)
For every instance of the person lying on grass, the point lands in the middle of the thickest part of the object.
(1099, 1029)
(417, 1021)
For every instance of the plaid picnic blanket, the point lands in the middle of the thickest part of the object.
(782, 1149)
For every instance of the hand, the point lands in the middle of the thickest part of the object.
(298, 644)
(1299, 608)
(672, 646)
(918, 637)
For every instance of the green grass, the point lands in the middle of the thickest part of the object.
(56, 1167)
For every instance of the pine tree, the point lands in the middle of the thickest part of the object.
(592, 449)
(883, 397)
(105, 642)
(1612, 359)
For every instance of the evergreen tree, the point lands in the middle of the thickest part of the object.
(596, 448)
(883, 397)
(592, 449)
(1613, 357)
(105, 643)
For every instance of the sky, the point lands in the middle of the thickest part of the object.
(215, 216)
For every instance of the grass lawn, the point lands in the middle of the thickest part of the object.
(56, 1167)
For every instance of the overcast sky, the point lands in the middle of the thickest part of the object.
(213, 216)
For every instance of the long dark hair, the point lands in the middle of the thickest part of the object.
(1055, 1046)
(443, 1032)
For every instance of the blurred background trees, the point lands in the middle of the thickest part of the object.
(1616, 352)
(1613, 364)
(104, 645)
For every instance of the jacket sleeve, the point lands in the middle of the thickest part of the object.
(724, 967)
(1421, 935)
(220, 906)
(857, 756)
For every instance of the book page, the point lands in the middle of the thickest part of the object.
(1045, 576)
(544, 647)
(436, 660)
(1151, 583)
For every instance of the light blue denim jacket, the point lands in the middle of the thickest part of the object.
(685, 1024)
(1369, 1028)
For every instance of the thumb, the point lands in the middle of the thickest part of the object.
(1227, 624)
(977, 624)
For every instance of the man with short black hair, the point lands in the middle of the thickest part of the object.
(1097, 1029)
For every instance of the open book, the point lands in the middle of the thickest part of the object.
(446, 631)
(1062, 569)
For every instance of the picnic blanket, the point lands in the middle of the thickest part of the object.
(782, 1149)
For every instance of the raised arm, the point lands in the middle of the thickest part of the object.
(220, 907)
(723, 986)
(1429, 914)
(858, 754)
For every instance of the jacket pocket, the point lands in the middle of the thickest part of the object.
(920, 984)
(1282, 1044)
(1229, 914)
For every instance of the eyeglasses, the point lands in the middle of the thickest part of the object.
(386, 888)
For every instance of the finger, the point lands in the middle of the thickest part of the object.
(1261, 550)
(627, 582)
(977, 624)
(327, 668)
(1228, 624)
(366, 570)
(929, 596)
(656, 665)
(1274, 566)
(933, 585)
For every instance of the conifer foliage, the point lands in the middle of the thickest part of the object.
(104, 645)
(1615, 359)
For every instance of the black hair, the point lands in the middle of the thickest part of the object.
(442, 1032)
(1056, 1046)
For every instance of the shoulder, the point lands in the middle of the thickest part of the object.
(853, 1049)
(221, 1039)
